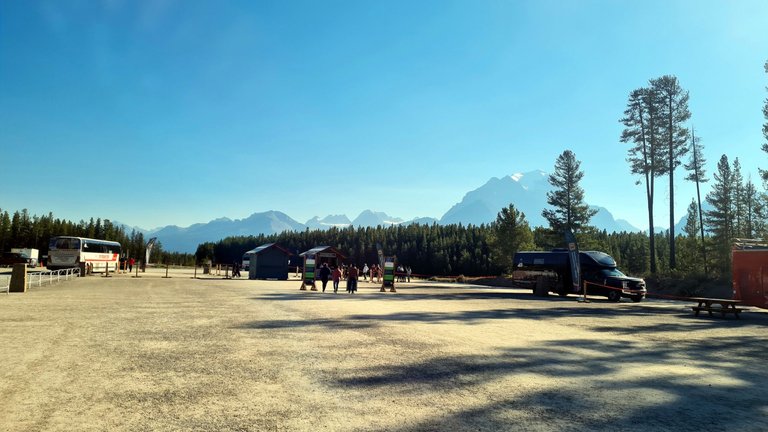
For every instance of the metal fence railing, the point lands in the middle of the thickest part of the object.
(5, 283)
(38, 279)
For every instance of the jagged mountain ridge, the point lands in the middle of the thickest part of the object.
(527, 191)
(187, 239)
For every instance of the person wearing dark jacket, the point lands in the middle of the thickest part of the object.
(325, 273)
(352, 279)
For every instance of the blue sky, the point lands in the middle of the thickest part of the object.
(177, 112)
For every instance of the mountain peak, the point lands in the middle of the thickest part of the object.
(526, 191)
(371, 218)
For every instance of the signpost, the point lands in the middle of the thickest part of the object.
(573, 254)
(389, 275)
(308, 277)
(150, 246)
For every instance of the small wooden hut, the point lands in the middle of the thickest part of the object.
(268, 261)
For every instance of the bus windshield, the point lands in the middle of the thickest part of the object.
(64, 243)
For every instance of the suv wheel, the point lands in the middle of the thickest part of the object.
(614, 296)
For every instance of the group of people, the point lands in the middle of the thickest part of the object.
(375, 272)
(403, 273)
(335, 274)
(351, 274)
(127, 263)
(235, 269)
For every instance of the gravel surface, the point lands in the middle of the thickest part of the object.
(154, 353)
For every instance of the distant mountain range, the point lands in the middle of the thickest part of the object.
(527, 191)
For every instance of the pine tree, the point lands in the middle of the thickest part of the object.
(764, 173)
(570, 210)
(691, 228)
(719, 220)
(674, 112)
(754, 218)
(509, 234)
(690, 259)
(641, 122)
(738, 200)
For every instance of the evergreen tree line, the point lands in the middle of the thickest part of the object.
(441, 249)
(23, 230)
(429, 249)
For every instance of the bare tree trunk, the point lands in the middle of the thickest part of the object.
(672, 261)
(697, 174)
(649, 184)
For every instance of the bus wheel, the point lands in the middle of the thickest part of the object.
(637, 298)
(614, 296)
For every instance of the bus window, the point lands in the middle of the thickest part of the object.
(65, 243)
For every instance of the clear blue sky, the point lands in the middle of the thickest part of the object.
(177, 112)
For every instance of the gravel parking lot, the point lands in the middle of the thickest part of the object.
(154, 353)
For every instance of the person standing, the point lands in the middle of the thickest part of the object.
(131, 262)
(325, 273)
(408, 272)
(336, 276)
(365, 271)
(352, 279)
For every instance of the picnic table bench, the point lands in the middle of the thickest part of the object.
(726, 306)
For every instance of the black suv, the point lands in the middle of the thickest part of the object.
(11, 258)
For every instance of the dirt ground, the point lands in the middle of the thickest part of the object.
(153, 353)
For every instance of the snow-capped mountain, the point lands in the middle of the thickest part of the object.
(338, 221)
(527, 191)
(370, 218)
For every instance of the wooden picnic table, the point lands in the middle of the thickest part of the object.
(726, 306)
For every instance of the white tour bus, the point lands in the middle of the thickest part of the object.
(67, 252)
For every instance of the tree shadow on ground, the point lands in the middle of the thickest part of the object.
(685, 322)
(331, 324)
(417, 292)
(667, 398)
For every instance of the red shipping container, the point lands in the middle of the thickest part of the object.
(750, 276)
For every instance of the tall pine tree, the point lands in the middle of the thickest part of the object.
(764, 173)
(674, 113)
(567, 198)
(697, 174)
(720, 219)
(753, 212)
(738, 200)
(641, 128)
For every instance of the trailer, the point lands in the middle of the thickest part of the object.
(750, 272)
(32, 254)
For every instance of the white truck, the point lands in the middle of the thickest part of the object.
(32, 254)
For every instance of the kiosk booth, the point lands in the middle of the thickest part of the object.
(313, 259)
